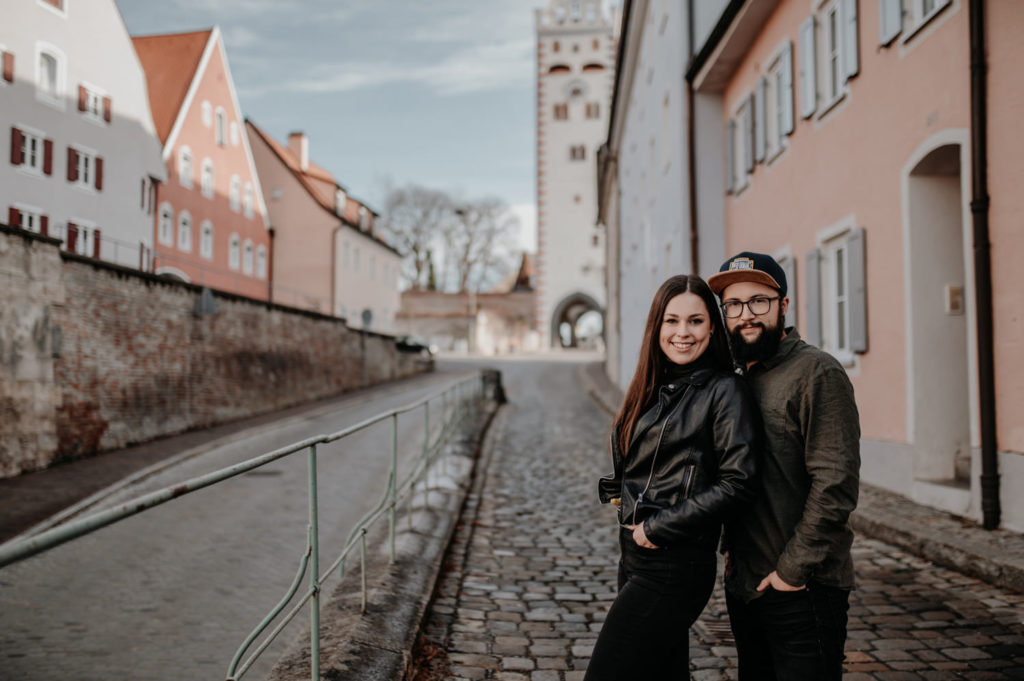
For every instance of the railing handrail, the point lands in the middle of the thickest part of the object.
(20, 549)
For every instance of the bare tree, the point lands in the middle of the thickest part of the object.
(477, 242)
(415, 218)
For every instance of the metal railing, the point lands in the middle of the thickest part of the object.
(458, 400)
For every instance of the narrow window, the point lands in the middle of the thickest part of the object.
(234, 252)
(235, 194)
(248, 201)
(247, 257)
(206, 182)
(165, 232)
(206, 240)
(185, 231)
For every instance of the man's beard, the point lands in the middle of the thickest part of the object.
(766, 345)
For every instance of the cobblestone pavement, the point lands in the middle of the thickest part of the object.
(531, 572)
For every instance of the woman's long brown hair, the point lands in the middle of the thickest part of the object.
(653, 362)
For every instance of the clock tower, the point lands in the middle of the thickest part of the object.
(576, 42)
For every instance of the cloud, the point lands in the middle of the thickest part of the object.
(238, 37)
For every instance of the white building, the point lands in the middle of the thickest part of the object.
(575, 64)
(644, 184)
(78, 139)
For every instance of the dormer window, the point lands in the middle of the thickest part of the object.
(364, 218)
(340, 200)
(220, 129)
(50, 76)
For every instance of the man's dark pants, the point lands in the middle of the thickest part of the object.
(791, 635)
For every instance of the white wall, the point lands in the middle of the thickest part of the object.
(97, 51)
(360, 287)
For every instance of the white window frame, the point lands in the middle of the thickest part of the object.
(30, 216)
(86, 159)
(234, 252)
(248, 200)
(833, 245)
(742, 145)
(206, 179)
(234, 136)
(206, 240)
(55, 98)
(84, 245)
(340, 200)
(220, 126)
(248, 252)
(775, 138)
(39, 138)
(830, 46)
(94, 103)
(918, 16)
(185, 231)
(165, 228)
(207, 113)
(261, 262)
(235, 194)
(186, 167)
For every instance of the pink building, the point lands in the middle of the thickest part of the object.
(849, 150)
(211, 224)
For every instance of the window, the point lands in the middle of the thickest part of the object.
(85, 168)
(50, 76)
(185, 171)
(577, 152)
(220, 127)
(31, 152)
(234, 134)
(345, 258)
(165, 230)
(355, 258)
(835, 289)
(206, 240)
(561, 112)
(82, 238)
(339, 202)
(247, 257)
(235, 194)
(206, 181)
(234, 252)
(773, 106)
(185, 231)
(740, 147)
(207, 109)
(247, 201)
(593, 110)
(261, 261)
(364, 218)
(27, 218)
(828, 55)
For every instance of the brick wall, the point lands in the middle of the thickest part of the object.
(120, 357)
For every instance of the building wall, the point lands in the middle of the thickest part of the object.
(93, 49)
(369, 284)
(232, 159)
(97, 357)
(570, 258)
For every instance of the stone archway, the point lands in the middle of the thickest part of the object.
(564, 333)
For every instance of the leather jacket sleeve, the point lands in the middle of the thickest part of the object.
(609, 487)
(736, 441)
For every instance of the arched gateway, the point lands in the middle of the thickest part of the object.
(566, 317)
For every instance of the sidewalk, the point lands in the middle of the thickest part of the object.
(996, 557)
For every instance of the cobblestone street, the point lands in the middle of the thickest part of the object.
(532, 570)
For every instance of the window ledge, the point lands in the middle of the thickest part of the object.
(830, 106)
(925, 20)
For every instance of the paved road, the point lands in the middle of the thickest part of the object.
(171, 593)
(532, 572)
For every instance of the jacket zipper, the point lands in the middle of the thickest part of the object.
(690, 475)
(657, 448)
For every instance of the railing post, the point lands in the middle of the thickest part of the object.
(314, 572)
(392, 484)
(362, 557)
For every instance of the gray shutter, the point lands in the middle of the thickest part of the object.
(788, 265)
(748, 134)
(808, 73)
(856, 255)
(851, 50)
(890, 13)
(730, 156)
(812, 291)
(786, 96)
(760, 134)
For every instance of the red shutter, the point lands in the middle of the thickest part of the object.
(13, 217)
(82, 95)
(44, 225)
(107, 109)
(72, 165)
(9, 66)
(96, 243)
(16, 156)
(99, 173)
(47, 157)
(72, 239)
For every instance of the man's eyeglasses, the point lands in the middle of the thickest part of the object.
(757, 306)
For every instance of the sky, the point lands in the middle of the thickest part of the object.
(439, 93)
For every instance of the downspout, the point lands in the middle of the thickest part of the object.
(983, 270)
(270, 267)
(691, 153)
(334, 265)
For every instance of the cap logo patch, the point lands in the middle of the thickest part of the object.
(741, 264)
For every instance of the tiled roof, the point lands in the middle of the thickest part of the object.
(170, 63)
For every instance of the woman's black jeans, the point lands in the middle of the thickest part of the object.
(646, 633)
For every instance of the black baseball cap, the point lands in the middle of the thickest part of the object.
(747, 266)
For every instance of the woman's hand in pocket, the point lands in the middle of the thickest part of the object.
(640, 537)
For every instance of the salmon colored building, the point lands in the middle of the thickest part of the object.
(211, 224)
(853, 136)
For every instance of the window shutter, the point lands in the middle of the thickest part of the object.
(13, 217)
(8, 66)
(808, 74)
(72, 165)
(812, 292)
(108, 109)
(890, 23)
(788, 265)
(16, 155)
(99, 173)
(44, 225)
(748, 134)
(760, 137)
(730, 156)
(786, 96)
(48, 157)
(96, 243)
(858, 290)
(72, 239)
(851, 50)
(82, 96)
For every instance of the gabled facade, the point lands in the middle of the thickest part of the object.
(79, 157)
(855, 147)
(328, 256)
(211, 225)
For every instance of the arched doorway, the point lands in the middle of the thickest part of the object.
(938, 316)
(577, 322)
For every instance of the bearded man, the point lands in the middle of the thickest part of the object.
(788, 566)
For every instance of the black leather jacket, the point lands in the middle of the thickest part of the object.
(693, 457)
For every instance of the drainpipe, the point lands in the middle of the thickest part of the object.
(983, 270)
(334, 265)
(270, 267)
(691, 153)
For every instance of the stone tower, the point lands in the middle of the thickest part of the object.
(576, 43)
